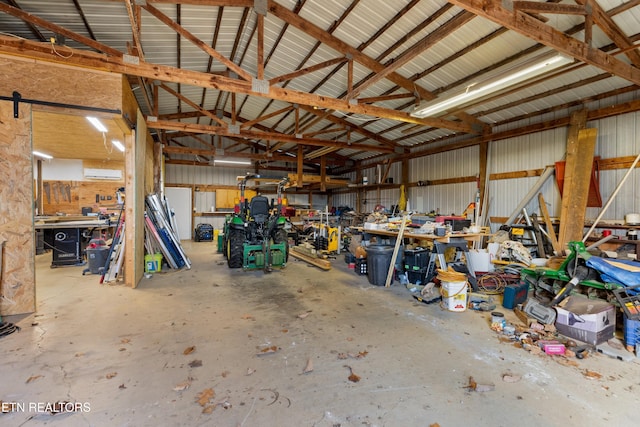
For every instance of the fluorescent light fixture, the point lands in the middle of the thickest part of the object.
(118, 144)
(517, 75)
(44, 156)
(97, 123)
(233, 162)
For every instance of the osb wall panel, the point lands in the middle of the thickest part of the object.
(69, 197)
(17, 281)
(57, 83)
(129, 103)
(149, 170)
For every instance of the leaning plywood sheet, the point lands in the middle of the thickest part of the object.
(17, 278)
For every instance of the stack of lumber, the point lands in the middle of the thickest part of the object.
(307, 253)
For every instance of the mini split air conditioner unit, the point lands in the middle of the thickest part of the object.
(114, 174)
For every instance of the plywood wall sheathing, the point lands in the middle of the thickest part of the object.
(62, 84)
(17, 278)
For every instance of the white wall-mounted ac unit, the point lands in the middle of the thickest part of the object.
(114, 174)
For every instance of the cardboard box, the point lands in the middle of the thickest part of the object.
(587, 320)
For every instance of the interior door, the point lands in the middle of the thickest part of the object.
(180, 202)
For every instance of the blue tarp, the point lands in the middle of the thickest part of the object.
(620, 271)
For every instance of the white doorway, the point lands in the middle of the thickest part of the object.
(179, 200)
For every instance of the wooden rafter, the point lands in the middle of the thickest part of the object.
(612, 30)
(252, 134)
(192, 104)
(179, 29)
(549, 36)
(196, 78)
(381, 98)
(135, 29)
(326, 38)
(214, 43)
(34, 20)
(555, 8)
(354, 128)
(417, 49)
(307, 70)
(236, 3)
(250, 123)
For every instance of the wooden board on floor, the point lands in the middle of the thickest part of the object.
(320, 263)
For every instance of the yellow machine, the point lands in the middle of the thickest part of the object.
(328, 238)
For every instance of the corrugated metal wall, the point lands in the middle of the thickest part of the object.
(617, 136)
(449, 198)
(205, 201)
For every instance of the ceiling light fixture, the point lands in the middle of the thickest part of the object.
(44, 156)
(233, 162)
(517, 75)
(97, 124)
(118, 144)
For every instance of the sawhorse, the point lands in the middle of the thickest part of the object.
(438, 252)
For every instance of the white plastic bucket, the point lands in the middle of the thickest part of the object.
(454, 295)
(480, 261)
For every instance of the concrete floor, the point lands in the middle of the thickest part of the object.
(119, 354)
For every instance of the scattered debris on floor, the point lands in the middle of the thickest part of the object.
(358, 355)
(204, 399)
(303, 315)
(352, 376)
(268, 350)
(196, 363)
(250, 371)
(511, 378)
(183, 385)
(309, 367)
(189, 350)
(111, 375)
(33, 378)
(592, 375)
(474, 386)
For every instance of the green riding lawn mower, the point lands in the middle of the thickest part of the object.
(255, 236)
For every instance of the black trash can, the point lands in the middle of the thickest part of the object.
(378, 263)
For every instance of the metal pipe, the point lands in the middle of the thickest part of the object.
(536, 188)
(613, 195)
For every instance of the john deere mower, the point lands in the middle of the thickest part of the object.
(254, 236)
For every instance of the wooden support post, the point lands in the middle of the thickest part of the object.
(260, 54)
(484, 161)
(300, 167)
(323, 173)
(358, 190)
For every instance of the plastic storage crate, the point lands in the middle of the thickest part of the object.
(361, 266)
